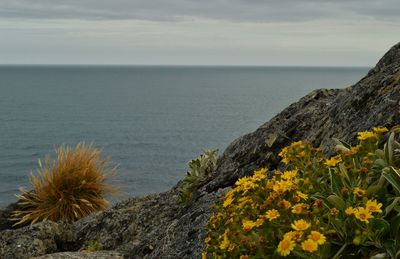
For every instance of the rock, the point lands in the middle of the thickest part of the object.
(6, 215)
(83, 255)
(156, 226)
(39, 239)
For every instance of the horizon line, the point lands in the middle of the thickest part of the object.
(184, 65)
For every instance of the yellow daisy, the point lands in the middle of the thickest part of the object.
(374, 206)
(298, 208)
(309, 246)
(272, 214)
(284, 204)
(363, 214)
(300, 225)
(333, 161)
(380, 130)
(285, 247)
(349, 211)
(302, 195)
(248, 225)
(317, 237)
(364, 135)
(359, 192)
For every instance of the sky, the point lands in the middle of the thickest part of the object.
(198, 32)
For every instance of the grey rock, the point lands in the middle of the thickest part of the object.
(39, 239)
(156, 226)
(6, 215)
(83, 255)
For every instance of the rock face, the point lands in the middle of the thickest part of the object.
(155, 226)
(42, 238)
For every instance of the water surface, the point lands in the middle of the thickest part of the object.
(151, 120)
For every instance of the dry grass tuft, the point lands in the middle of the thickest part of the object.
(68, 188)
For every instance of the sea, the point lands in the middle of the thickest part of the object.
(150, 120)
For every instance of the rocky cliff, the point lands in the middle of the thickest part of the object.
(156, 226)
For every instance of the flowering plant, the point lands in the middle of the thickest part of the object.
(343, 206)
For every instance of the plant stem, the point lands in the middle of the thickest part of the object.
(340, 251)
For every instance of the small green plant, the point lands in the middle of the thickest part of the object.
(344, 206)
(93, 246)
(67, 188)
(199, 168)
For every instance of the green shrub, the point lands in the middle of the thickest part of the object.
(345, 206)
(93, 246)
(68, 188)
(199, 168)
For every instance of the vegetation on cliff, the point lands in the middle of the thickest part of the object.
(68, 188)
(199, 169)
(315, 207)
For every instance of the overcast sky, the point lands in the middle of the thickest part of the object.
(198, 32)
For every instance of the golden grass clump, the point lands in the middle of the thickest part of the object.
(68, 188)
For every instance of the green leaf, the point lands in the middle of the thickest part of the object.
(389, 149)
(390, 207)
(341, 142)
(336, 182)
(373, 189)
(337, 202)
(343, 173)
(380, 224)
(380, 162)
(393, 177)
(379, 153)
(395, 228)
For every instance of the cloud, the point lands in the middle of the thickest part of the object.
(178, 10)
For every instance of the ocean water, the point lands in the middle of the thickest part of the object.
(151, 120)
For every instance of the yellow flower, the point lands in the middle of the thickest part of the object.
(294, 235)
(364, 135)
(298, 208)
(244, 257)
(302, 195)
(297, 144)
(287, 175)
(301, 154)
(259, 174)
(363, 214)
(349, 211)
(272, 214)
(248, 225)
(259, 222)
(283, 152)
(374, 206)
(359, 192)
(243, 201)
(246, 183)
(225, 243)
(300, 225)
(286, 160)
(282, 186)
(285, 247)
(228, 200)
(241, 181)
(380, 130)
(353, 151)
(309, 246)
(317, 237)
(284, 204)
(333, 161)
(204, 255)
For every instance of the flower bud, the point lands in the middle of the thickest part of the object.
(357, 241)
